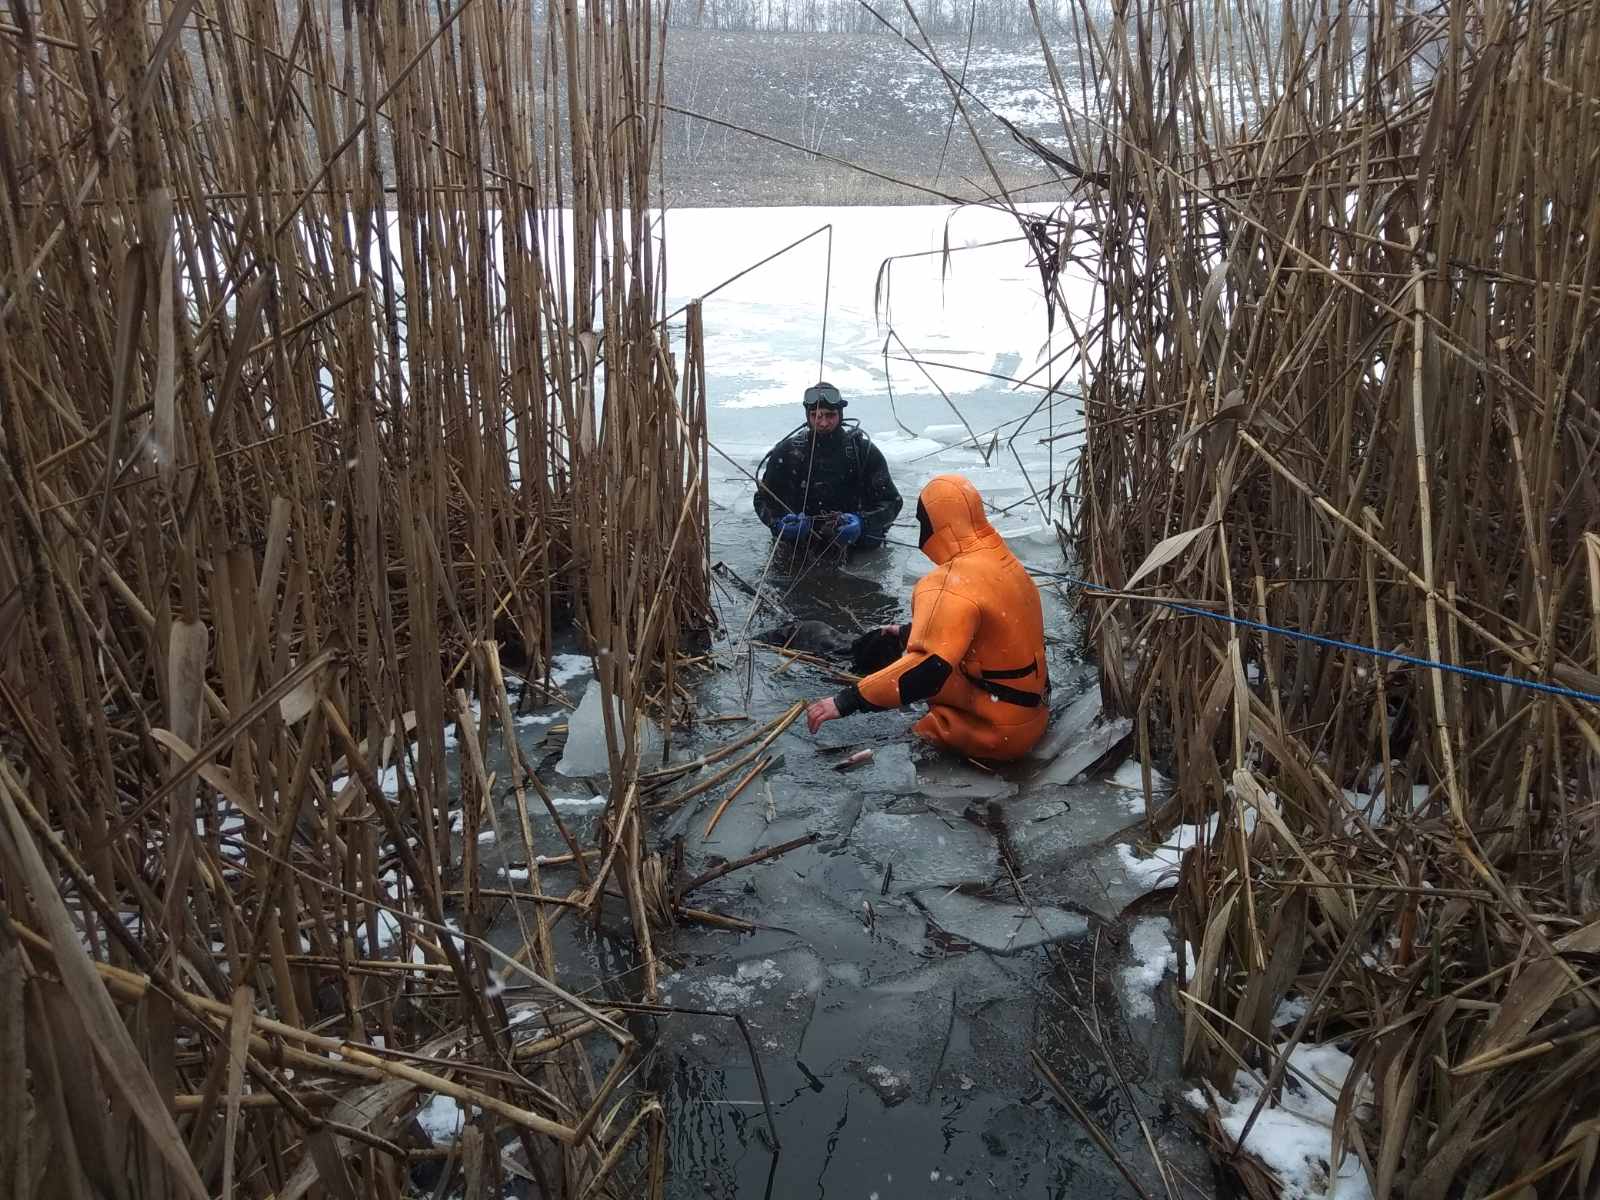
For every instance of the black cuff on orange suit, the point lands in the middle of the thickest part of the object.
(921, 682)
(849, 702)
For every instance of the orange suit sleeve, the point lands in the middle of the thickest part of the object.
(943, 624)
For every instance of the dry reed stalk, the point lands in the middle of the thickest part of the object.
(301, 404)
(1347, 280)
(745, 781)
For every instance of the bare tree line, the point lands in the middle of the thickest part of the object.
(987, 19)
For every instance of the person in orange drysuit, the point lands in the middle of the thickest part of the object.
(975, 649)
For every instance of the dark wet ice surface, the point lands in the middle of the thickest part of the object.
(902, 976)
(895, 1008)
(947, 921)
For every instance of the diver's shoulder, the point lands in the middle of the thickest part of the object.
(792, 442)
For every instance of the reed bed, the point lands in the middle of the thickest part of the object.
(333, 365)
(1343, 380)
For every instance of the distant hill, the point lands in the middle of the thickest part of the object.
(867, 99)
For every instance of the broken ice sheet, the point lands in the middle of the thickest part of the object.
(927, 849)
(585, 752)
(998, 927)
(441, 1118)
(1093, 744)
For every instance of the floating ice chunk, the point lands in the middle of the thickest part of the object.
(441, 1118)
(585, 752)
(1068, 725)
(891, 1088)
(947, 435)
(1081, 754)
(999, 928)
(1152, 958)
(899, 446)
(1032, 538)
(1130, 775)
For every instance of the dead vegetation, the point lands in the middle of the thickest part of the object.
(311, 399)
(1344, 381)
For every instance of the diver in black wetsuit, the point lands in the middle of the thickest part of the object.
(827, 481)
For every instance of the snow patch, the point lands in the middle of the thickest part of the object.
(1153, 956)
(577, 803)
(1294, 1136)
(1130, 775)
(1290, 1009)
(1163, 861)
(1374, 805)
(388, 933)
(564, 668)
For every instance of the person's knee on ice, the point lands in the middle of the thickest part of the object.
(826, 484)
(974, 651)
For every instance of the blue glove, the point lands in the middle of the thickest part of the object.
(849, 528)
(794, 526)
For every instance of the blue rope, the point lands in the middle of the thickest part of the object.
(1532, 685)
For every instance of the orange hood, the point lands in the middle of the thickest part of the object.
(950, 513)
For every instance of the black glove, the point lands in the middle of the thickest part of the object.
(875, 650)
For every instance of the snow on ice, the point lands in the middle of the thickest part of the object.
(1153, 956)
(1294, 1136)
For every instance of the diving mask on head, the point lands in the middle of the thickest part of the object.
(823, 395)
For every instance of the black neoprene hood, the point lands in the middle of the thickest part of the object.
(924, 526)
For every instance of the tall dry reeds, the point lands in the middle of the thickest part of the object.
(1345, 380)
(332, 363)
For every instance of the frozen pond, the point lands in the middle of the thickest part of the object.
(973, 322)
(946, 921)
(903, 976)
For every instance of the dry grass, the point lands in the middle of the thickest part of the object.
(1345, 380)
(309, 402)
